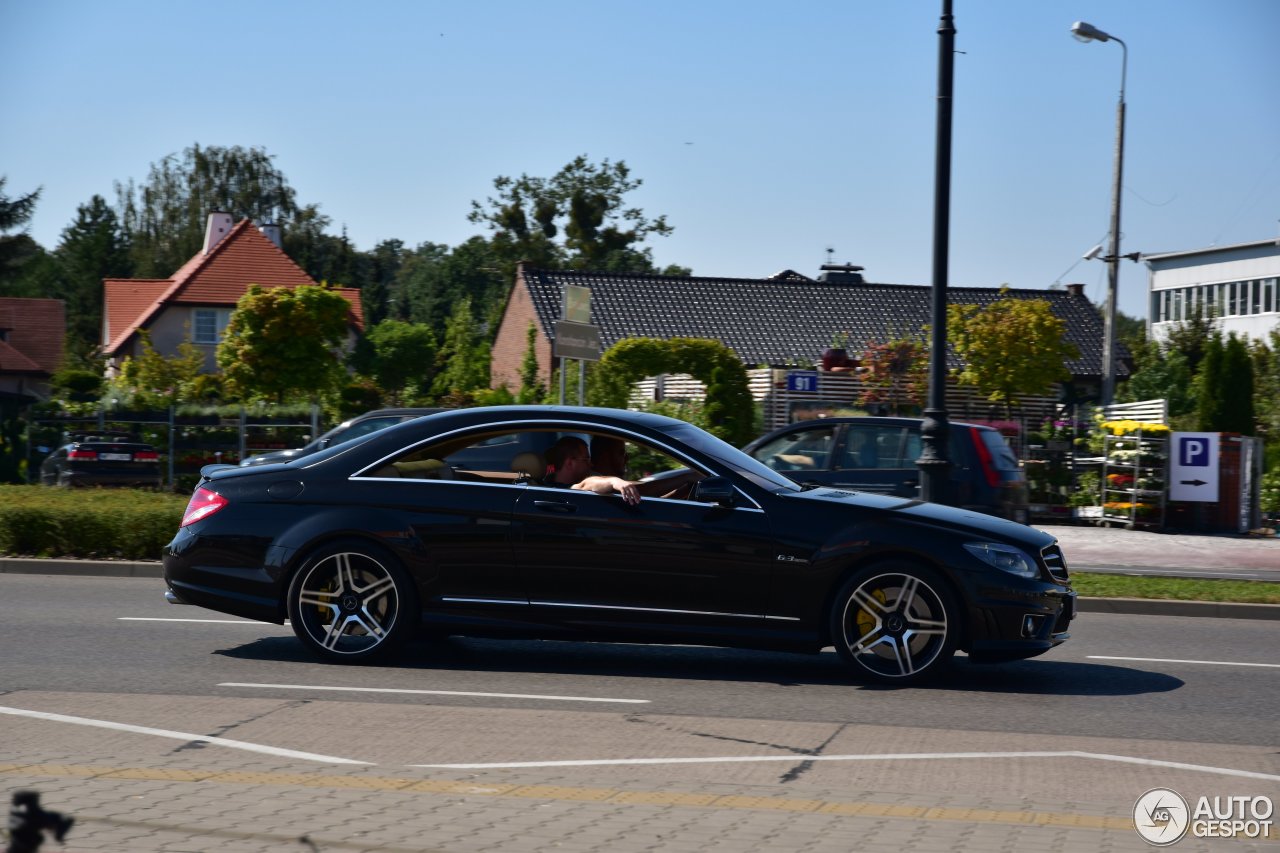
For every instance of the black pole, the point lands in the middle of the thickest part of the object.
(934, 461)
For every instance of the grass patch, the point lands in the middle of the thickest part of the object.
(1182, 589)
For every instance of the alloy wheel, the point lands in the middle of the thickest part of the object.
(346, 604)
(895, 626)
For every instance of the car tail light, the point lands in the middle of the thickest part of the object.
(203, 503)
(82, 454)
(146, 456)
(984, 459)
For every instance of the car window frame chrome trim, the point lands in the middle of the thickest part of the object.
(552, 426)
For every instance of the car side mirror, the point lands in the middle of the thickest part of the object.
(714, 490)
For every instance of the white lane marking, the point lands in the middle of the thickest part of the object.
(209, 621)
(183, 736)
(907, 756)
(1177, 660)
(436, 692)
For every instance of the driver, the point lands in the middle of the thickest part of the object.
(569, 467)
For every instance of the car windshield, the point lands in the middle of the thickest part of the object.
(733, 458)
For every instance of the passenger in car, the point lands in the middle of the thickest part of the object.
(608, 456)
(569, 467)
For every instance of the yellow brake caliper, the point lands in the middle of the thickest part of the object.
(867, 621)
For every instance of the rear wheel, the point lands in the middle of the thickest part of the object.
(352, 601)
(895, 622)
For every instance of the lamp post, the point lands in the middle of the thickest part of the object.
(934, 462)
(1086, 33)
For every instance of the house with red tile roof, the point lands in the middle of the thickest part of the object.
(32, 335)
(196, 302)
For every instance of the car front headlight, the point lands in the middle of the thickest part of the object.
(1006, 558)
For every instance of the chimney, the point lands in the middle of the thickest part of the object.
(272, 232)
(841, 274)
(219, 226)
(1076, 289)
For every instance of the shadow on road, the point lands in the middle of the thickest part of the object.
(1043, 676)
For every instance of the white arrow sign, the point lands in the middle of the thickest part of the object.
(1193, 467)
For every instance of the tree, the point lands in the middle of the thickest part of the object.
(436, 278)
(896, 375)
(284, 340)
(164, 219)
(402, 355)
(1160, 373)
(155, 381)
(1237, 388)
(531, 388)
(1012, 346)
(15, 249)
(584, 204)
(377, 292)
(92, 248)
(729, 409)
(1191, 336)
(1209, 390)
(463, 358)
(1266, 394)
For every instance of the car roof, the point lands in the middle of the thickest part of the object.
(882, 420)
(381, 413)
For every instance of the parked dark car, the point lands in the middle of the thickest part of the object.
(345, 431)
(362, 545)
(103, 459)
(875, 454)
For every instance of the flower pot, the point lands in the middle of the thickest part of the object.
(834, 357)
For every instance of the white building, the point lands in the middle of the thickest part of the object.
(1239, 285)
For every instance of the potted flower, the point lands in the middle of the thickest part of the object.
(836, 355)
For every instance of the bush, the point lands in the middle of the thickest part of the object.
(123, 524)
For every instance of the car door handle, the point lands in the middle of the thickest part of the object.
(554, 506)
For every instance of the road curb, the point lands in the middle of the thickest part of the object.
(1172, 607)
(92, 568)
(1137, 606)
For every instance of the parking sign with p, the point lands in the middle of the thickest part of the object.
(1193, 467)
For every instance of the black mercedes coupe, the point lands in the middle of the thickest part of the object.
(443, 525)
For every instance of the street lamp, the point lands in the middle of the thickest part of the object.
(1087, 32)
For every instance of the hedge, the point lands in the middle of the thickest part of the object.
(127, 524)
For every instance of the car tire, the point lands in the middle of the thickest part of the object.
(351, 601)
(895, 622)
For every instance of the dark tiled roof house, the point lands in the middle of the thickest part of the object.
(32, 335)
(783, 320)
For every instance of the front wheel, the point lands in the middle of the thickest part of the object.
(351, 601)
(895, 623)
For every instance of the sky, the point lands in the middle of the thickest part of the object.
(771, 135)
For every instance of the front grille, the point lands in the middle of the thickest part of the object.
(1055, 562)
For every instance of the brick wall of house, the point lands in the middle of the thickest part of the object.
(511, 342)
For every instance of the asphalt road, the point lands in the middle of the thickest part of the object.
(1125, 695)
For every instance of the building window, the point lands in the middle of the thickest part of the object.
(208, 324)
(1269, 296)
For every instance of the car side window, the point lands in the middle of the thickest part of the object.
(364, 428)
(802, 450)
(499, 458)
(870, 446)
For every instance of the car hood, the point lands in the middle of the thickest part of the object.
(934, 514)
